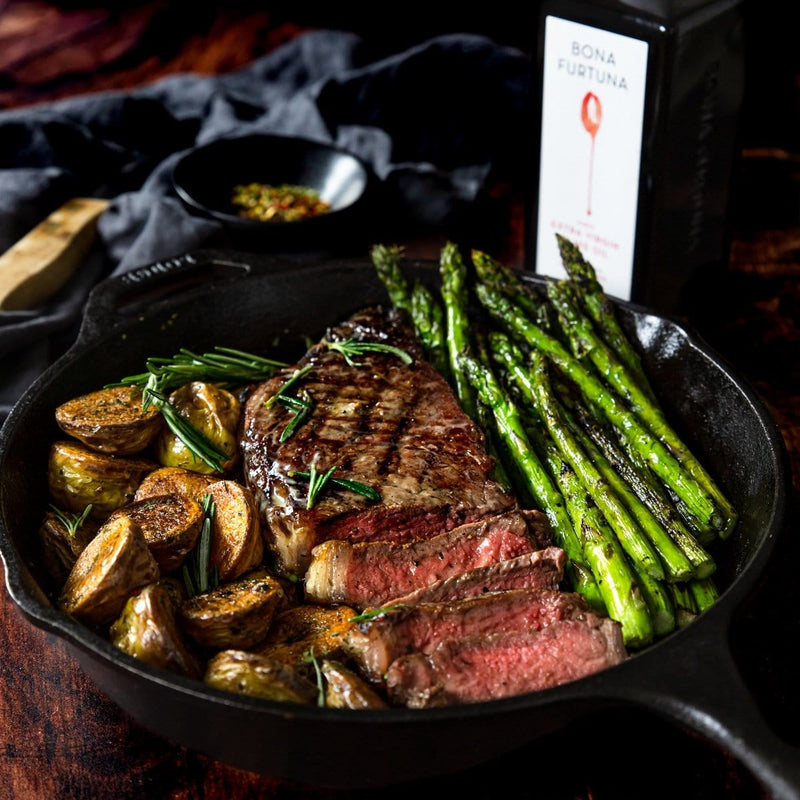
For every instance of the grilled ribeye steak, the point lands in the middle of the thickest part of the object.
(394, 426)
(541, 569)
(377, 642)
(477, 668)
(372, 573)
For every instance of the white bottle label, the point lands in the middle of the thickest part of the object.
(592, 117)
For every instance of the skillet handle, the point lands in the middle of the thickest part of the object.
(709, 696)
(121, 296)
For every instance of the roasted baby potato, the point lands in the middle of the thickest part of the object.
(61, 544)
(148, 630)
(171, 524)
(258, 676)
(110, 420)
(174, 480)
(234, 615)
(114, 565)
(236, 542)
(304, 629)
(345, 689)
(213, 411)
(78, 476)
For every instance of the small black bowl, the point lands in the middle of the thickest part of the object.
(205, 178)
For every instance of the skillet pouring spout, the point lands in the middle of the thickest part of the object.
(273, 307)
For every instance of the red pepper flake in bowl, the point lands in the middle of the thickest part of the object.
(282, 203)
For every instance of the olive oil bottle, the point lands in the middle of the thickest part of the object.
(637, 106)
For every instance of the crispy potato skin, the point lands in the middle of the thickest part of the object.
(174, 480)
(345, 689)
(59, 548)
(236, 541)
(305, 628)
(147, 629)
(110, 420)
(213, 411)
(258, 676)
(234, 615)
(171, 524)
(78, 476)
(114, 565)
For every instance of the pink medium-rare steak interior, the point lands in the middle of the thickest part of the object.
(372, 573)
(394, 426)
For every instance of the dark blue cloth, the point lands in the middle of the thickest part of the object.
(432, 121)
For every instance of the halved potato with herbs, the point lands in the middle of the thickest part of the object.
(211, 410)
(174, 480)
(236, 541)
(114, 565)
(171, 524)
(305, 629)
(63, 538)
(147, 629)
(346, 689)
(258, 676)
(110, 420)
(78, 476)
(235, 615)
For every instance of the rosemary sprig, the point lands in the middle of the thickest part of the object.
(302, 405)
(296, 377)
(196, 442)
(352, 348)
(197, 577)
(371, 613)
(310, 658)
(223, 365)
(317, 482)
(72, 522)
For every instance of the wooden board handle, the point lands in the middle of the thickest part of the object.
(40, 263)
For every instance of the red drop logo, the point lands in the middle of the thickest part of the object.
(591, 117)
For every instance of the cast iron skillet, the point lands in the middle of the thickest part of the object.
(211, 298)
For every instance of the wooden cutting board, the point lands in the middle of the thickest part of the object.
(40, 263)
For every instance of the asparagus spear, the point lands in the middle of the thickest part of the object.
(455, 296)
(704, 592)
(427, 316)
(511, 429)
(600, 308)
(584, 339)
(663, 463)
(616, 580)
(386, 259)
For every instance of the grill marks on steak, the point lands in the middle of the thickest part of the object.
(372, 573)
(479, 668)
(393, 426)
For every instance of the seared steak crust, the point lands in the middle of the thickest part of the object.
(395, 427)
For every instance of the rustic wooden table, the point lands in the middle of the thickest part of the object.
(62, 739)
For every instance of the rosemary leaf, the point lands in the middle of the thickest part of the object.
(72, 522)
(310, 658)
(371, 613)
(298, 375)
(352, 348)
(343, 483)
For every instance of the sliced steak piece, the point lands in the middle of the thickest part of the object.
(372, 573)
(377, 642)
(397, 427)
(541, 569)
(476, 669)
